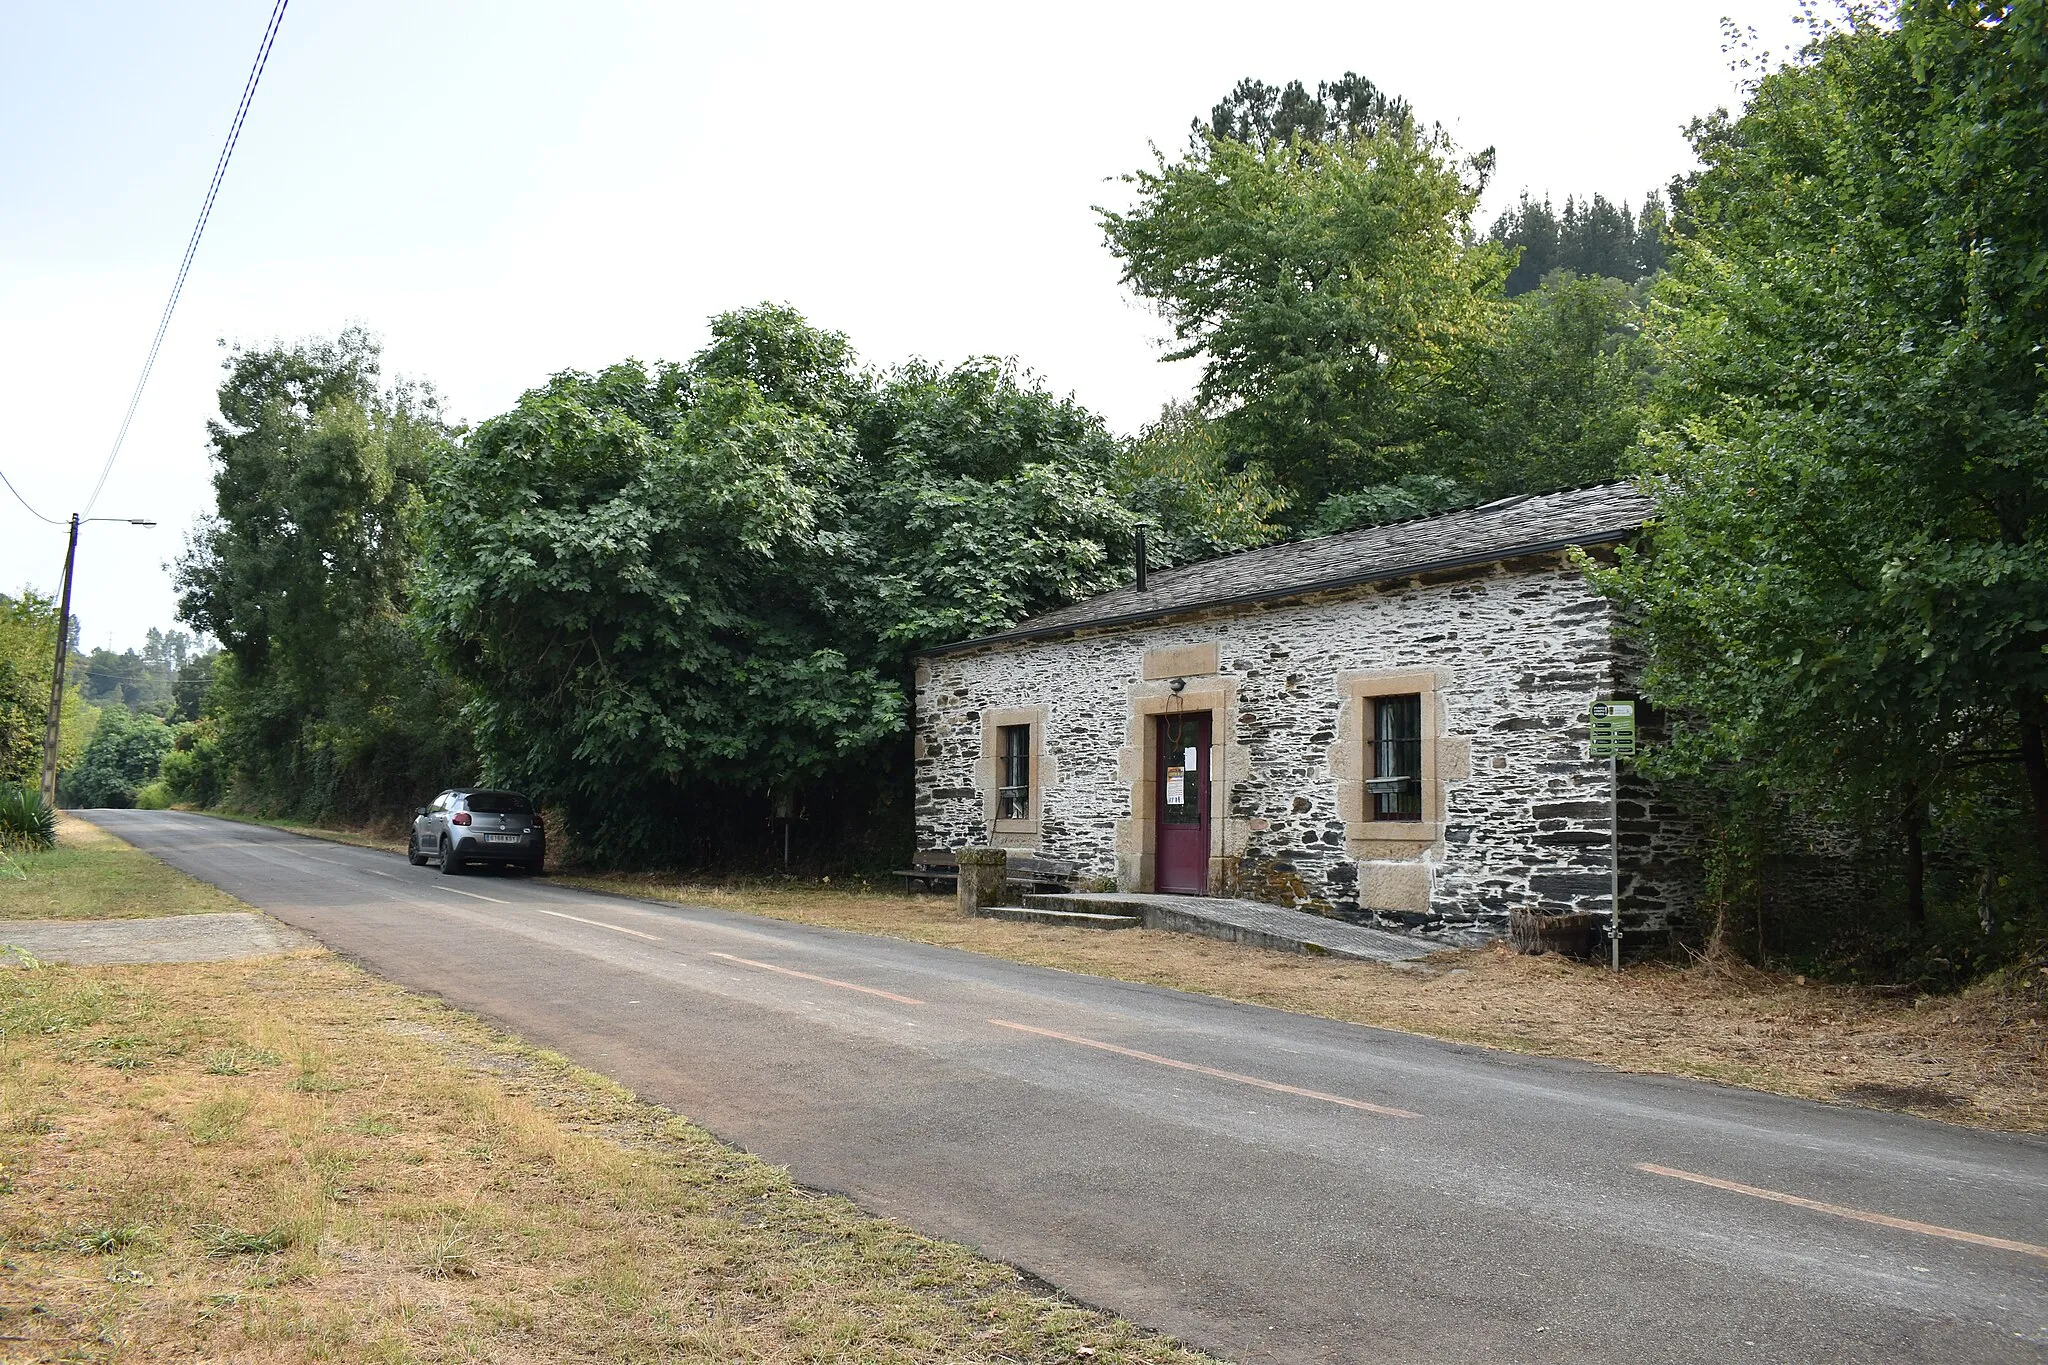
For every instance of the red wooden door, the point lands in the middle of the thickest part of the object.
(1181, 810)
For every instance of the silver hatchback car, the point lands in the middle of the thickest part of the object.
(465, 826)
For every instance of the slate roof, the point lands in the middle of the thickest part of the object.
(1533, 523)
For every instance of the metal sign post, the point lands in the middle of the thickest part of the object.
(1614, 738)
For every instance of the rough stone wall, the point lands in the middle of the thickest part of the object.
(1520, 652)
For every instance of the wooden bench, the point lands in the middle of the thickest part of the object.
(931, 867)
(938, 869)
(1033, 873)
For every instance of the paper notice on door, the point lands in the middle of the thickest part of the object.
(1191, 756)
(1176, 787)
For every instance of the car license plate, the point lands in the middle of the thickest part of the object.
(501, 838)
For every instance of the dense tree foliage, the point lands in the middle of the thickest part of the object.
(28, 642)
(1316, 253)
(303, 574)
(28, 650)
(1177, 477)
(126, 749)
(1553, 396)
(1411, 495)
(1848, 594)
(195, 770)
(1591, 237)
(682, 588)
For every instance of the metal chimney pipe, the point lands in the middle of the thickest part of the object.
(1139, 552)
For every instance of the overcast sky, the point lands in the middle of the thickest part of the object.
(505, 190)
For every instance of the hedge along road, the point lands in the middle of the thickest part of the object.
(1265, 1185)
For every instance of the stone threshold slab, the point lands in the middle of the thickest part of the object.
(1248, 922)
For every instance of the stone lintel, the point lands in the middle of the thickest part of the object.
(1181, 661)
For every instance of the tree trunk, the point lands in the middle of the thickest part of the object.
(1916, 865)
(2034, 758)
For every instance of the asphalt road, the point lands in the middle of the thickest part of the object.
(1267, 1186)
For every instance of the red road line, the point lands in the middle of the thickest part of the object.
(1210, 1071)
(1840, 1211)
(821, 980)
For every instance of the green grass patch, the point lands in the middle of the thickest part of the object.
(221, 1241)
(90, 874)
(106, 1241)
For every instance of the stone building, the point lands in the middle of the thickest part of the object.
(1386, 725)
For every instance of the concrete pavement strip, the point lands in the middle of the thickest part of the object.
(170, 938)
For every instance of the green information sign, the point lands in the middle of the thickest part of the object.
(1614, 729)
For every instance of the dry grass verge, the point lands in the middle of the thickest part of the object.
(290, 1160)
(1979, 1058)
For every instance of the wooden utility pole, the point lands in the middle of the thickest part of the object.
(52, 727)
(52, 723)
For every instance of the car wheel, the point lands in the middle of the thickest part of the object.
(412, 852)
(450, 865)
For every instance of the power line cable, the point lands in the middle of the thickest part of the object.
(220, 170)
(25, 502)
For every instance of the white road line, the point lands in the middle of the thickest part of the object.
(471, 894)
(1177, 1065)
(595, 924)
(823, 980)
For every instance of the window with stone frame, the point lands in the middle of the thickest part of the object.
(1013, 798)
(1394, 758)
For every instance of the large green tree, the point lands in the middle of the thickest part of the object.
(303, 573)
(683, 590)
(1360, 356)
(1847, 590)
(1320, 266)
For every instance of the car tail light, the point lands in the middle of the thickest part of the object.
(460, 817)
(539, 823)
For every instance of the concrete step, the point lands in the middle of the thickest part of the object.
(1073, 919)
(1251, 923)
(1083, 902)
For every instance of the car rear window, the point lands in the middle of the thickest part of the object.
(499, 803)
